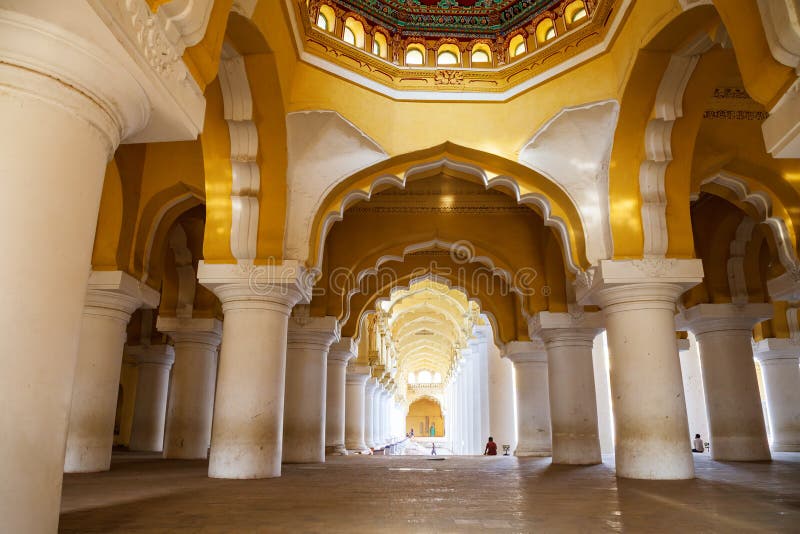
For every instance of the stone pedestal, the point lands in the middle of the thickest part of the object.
(573, 406)
(533, 404)
(111, 298)
(338, 355)
(354, 408)
(246, 439)
(306, 377)
(194, 378)
(735, 417)
(369, 418)
(153, 363)
(779, 368)
(638, 299)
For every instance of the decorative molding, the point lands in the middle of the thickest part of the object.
(735, 114)
(667, 109)
(155, 42)
(238, 110)
(494, 84)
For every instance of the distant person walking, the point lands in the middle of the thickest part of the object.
(433, 449)
(491, 448)
(697, 444)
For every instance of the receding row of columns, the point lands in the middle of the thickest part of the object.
(556, 399)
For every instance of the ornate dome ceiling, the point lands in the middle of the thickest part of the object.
(457, 18)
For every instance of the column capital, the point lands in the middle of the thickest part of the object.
(342, 351)
(525, 351)
(313, 332)
(371, 385)
(578, 328)
(151, 354)
(357, 374)
(191, 329)
(242, 286)
(704, 318)
(651, 280)
(117, 294)
(118, 57)
(771, 349)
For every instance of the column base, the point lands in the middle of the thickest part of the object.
(576, 450)
(742, 449)
(335, 450)
(522, 453)
(87, 459)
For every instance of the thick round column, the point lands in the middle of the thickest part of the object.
(779, 368)
(53, 154)
(152, 387)
(306, 378)
(247, 435)
(90, 435)
(573, 403)
(369, 419)
(533, 404)
(338, 356)
(354, 408)
(649, 409)
(194, 377)
(733, 402)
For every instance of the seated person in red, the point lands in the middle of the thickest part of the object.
(491, 448)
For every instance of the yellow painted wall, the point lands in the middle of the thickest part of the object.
(421, 415)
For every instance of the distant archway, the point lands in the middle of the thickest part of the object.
(425, 417)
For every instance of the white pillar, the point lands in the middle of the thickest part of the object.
(153, 363)
(648, 404)
(533, 404)
(338, 356)
(376, 414)
(54, 147)
(696, 413)
(369, 418)
(111, 298)
(187, 434)
(354, 410)
(779, 368)
(573, 406)
(246, 438)
(733, 401)
(501, 400)
(387, 416)
(306, 377)
(381, 426)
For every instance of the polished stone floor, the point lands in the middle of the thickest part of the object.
(417, 494)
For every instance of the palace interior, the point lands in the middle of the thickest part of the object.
(287, 265)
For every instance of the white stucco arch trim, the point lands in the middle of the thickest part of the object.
(489, 180)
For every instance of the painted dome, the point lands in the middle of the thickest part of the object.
(456, 18)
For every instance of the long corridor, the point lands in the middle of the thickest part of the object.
(143, 493)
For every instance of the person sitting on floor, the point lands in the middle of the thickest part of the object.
(697, 444)
(491, 448)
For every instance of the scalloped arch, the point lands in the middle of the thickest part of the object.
(527, 186)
